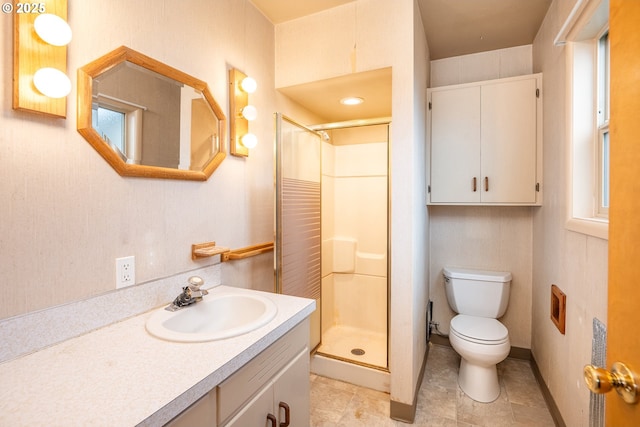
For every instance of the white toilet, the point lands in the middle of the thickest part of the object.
(480, 297)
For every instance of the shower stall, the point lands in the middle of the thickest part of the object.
(340, 225)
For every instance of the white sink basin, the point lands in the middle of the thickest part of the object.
(216, 317)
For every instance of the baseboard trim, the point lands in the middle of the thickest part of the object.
(551, 404)
(520, 353)
(404, 412)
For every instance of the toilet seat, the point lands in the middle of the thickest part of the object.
(480, 330)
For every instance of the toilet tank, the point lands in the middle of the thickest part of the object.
(477, 292)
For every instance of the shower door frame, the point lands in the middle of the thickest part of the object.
(355, 124)
(278, 184)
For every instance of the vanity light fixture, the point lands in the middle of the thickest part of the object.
(250, 113)
(241, 113)
(249, 140)
(40, 82)
(52, 29)
(249, 84)
(52, 82)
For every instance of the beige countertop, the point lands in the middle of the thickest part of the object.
(120, 375)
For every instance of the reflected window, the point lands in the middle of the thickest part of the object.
(110, 124)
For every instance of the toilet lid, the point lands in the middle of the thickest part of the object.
(479, 329)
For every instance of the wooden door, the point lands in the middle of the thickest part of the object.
(455, 145)
(624, 212)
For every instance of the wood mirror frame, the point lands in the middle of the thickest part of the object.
(107, 62)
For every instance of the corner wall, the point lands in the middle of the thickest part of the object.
(575, 262)
(367, 35)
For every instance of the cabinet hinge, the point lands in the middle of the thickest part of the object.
(537, 187)
(429, 105)
(428, 189)
(537, 93)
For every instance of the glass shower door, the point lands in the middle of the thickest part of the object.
(298, 194)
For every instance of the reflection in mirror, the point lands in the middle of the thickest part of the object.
(148, 119)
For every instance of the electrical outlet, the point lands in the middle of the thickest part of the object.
(125, 271)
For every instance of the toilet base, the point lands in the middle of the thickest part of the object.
(480, 383)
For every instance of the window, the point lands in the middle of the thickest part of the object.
(110, 124)
(602, 77)
(587, 49)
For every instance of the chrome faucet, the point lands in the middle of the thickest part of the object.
(191, 294)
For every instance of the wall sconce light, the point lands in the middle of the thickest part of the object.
(241, 113)
(41, 34)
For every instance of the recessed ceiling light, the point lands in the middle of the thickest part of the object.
(351, 100)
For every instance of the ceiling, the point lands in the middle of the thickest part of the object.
(452, 27)
(461, 27)
(285, 10)
(323, 97)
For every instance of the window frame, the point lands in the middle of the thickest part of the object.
(585, 128)
(603, 114)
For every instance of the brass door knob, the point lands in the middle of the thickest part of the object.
(599, 380)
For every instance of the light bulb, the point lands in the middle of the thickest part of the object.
(52, 29)
(250, 112)
(249, 140)
(249, 85)
(351, 100)
(52, 82)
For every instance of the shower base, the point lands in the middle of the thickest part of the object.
(338, 357)
(353, 344)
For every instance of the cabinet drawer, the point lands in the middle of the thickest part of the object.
(239, 388)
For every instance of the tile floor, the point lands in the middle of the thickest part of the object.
(440, 401)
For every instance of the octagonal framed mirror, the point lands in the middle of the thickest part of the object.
(148, 119)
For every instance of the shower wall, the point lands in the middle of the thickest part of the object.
(354, 237)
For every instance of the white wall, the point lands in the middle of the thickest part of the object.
(495, 64)
(575, 262)
(66, 214)
(367, 35)
(487, 237)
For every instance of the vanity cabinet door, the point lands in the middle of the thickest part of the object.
(278, 378)
(291, 388)
(255, 413)
(284, 401)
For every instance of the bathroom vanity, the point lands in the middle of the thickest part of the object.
(273, 387)
(121, 375)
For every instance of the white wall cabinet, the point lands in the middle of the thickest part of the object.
(485, 142)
